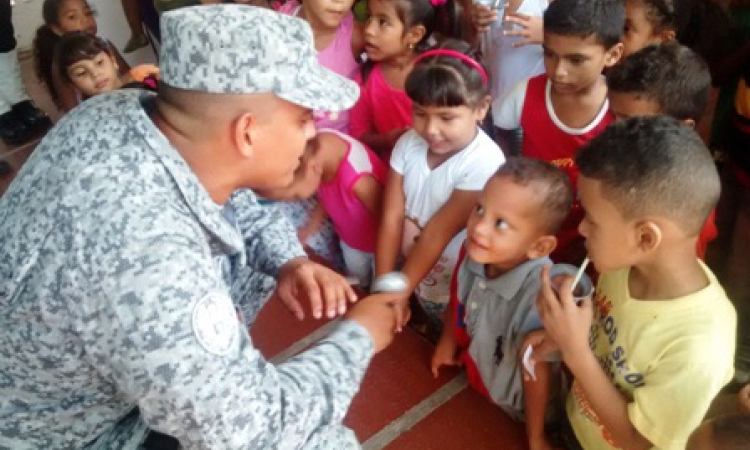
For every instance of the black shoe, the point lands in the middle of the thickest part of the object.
(32, 117)
(12, 130)
(5, 168)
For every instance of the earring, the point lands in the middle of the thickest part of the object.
(410, 46)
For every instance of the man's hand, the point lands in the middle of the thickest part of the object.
(446, 353)
(378, 316)
(483, 16)
(323, 288)
(565, 322)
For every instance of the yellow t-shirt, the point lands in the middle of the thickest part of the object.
(669, 358)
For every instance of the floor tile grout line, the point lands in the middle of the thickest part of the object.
(303, 343)
(416, 414)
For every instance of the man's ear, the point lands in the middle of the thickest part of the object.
(648, 235)
(243, 132)
(542, 247)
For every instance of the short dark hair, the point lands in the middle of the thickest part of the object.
(654, 166)
(731, 432)
(551, 183)
(447, 80)
(702, 25)
(670, 74)
(604, 19)
(77, 46)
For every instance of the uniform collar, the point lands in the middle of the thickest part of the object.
(211, 215)
(508, 284)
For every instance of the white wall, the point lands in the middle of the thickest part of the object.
(27, 17)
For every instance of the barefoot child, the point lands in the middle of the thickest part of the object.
(657, 343)
(510, 234)
(437, 172)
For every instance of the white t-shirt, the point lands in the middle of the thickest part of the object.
(427, 190)
(508, 65)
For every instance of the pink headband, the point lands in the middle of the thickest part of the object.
(466, 59)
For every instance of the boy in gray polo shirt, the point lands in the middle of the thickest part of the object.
(493, 292)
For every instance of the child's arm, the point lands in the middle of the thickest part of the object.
(391, 224)
(370, 193)
(437, 234)
(568, 325)
(536, 398)
(446, 351)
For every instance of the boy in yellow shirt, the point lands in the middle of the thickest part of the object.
(656, 344)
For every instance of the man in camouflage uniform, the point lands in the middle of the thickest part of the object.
(127, 232)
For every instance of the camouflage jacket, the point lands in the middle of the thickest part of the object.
(117, 274)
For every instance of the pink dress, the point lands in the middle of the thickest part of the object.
(354, 223)
(380, 108)
(336, 57)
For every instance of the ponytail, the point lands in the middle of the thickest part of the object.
(44, 51)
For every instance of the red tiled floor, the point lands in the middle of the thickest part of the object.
(467, 421)
(398, 378)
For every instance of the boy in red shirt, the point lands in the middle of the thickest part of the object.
(564, 108)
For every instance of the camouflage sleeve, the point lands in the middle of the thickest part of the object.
(156, 320)
(270, 239)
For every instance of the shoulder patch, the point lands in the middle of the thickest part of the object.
(215, 324)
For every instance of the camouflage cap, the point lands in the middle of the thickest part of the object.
(240, 49)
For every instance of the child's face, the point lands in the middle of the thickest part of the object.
(328, 13)
(639, 31)
(574, 64)
(625, 105)
(385, 35)
(95, 76)
(504, 227)
(447, 129)
(610, 239)
(75, 15)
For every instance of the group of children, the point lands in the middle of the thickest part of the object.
(413, 182)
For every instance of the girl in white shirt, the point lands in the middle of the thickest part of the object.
(437, 172)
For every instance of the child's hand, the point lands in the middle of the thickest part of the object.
(565, 322)
(445, 355)
(400, 302)
(530, 28)
(483, 16)
(542, 348)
